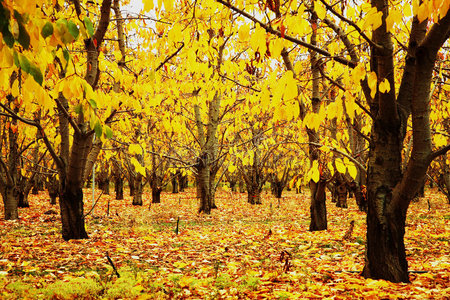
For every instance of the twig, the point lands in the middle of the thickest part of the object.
(353, 24)
(112, 264)
(170, 57)
(93, 205)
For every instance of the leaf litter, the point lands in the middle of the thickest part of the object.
(239, 251)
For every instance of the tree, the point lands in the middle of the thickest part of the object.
(71, 161)
(389, 190)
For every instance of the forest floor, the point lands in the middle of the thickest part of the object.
(240, 251)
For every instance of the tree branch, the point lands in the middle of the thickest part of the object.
(351, 23)
(68, 116)
(287, 37)
(13, 115)
(170, 57)
(439, 152)
(356, 162)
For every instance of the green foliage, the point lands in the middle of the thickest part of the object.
(73, 29)
(22, 36)
(92, 103)
(250, 282)
(20, 289)
(37, 74)
(74, 288)
(108, 132)
(89, 26)
(127, 286)
(47, 30)
(21, 61)
(360, 240)
(223, 281)
(4, 22)
(98, 129)
(284, 295)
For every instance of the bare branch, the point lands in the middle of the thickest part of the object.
(439, 152)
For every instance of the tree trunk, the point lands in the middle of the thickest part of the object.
(156, 195)
(52, 188)
(23, 199)
(72, 216)
(203, 183)
(138, 190)
(342, 196)
(340, 190)
(254, 194)
(385, 249)
(118, 187)
(183, 182)
(175, 189)
(278, 187)
(360, 195)
(318, 208)
(233, 186)
(10, 202)
(103, 184)
(241, 186)
(131, 185)
(53, 197)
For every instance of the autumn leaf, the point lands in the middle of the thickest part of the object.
(384, 86)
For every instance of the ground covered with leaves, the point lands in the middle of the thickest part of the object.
(240, 251)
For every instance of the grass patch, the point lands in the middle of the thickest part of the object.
(223, 281)
(250, 282)
(74, 288)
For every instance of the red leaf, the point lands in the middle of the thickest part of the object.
(282, 30)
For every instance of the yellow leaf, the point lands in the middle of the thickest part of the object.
(377, 20)
(291, 90)
(175, 34)
(137, 166)
(391, 19)
(276, 46)
(373, 19)
(340, 167)
(66, 89)
(330, 167)
(280, 113)
(315, 175)
(372, 82)
(385, 87)
(148, 5)
(320, 10)
(7, 57)
(15, 89)
(231, 168)
(390, 22)
(168, 5)
(358, 73)
(352, 171)
(258, 40)
(135, 149)
(422, 12)
(244, 32)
